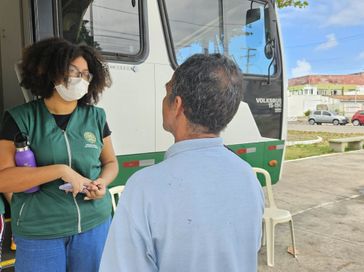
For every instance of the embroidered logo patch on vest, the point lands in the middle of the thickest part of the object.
(91, 140)
(90, 137)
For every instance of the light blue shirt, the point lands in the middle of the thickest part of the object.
(200, 210)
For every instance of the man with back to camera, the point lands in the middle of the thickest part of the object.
(201, 209)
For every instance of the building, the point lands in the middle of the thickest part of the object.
(340, 93)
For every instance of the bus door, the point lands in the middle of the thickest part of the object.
(10, 52)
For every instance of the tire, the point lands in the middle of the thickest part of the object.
(335, 122)
(356, 123)
(311, 121)
(319, 124)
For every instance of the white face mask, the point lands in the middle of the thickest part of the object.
(76, 89)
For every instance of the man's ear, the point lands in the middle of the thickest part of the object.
(178, 105)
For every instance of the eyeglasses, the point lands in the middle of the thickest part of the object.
(74, 72)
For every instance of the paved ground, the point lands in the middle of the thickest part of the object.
(326, 196)
(302, 126)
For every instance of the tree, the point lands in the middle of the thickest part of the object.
(293, 3)
(85, 36)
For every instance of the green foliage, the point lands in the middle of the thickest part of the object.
(292, 3)
(85, 36)
(339, 112)
(307, 112)
(303, 151)
(322, 107)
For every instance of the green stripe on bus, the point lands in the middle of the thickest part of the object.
(256, 154)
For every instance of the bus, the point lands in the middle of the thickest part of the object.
(143, 42)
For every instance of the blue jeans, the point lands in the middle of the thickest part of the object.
(76, 253)
(2, 227)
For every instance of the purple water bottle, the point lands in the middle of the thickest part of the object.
(24, 156)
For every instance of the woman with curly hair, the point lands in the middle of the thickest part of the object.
(70, 138)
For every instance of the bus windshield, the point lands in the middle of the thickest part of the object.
(236, 28)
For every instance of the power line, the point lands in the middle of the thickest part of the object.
(170, 19)
(99, 29)
(347, 60)
(351, 37)
(114, 37)
(248, 56)
(117, 10)
(327, 59)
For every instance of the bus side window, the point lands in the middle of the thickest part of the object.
(111, 26)
(72, 19)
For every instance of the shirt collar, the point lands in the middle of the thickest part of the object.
(193, 144)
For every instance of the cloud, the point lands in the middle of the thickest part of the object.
(361, 55)
(346, 13)
(303, 68)
(329, 43)
(326, 13)
(291, 16)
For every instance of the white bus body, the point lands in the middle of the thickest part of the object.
(143, 42)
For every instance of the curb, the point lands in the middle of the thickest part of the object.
(318, 140)
(324, 155)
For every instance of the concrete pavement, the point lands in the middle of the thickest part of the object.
(304, 126)
(326, 197)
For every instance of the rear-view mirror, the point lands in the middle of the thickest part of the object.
(252, 15)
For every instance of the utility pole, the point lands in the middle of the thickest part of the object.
(223, 39)
(92, 22)
(248, 56)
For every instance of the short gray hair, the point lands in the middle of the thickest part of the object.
(211, 90)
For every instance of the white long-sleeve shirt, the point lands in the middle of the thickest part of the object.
(199, 210)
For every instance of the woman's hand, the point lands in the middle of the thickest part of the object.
(77, 181)
(96, 189)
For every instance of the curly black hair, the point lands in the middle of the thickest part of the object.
(48, 61)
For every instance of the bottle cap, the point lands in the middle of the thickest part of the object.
(21, 140)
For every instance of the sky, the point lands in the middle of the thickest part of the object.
(327, 37)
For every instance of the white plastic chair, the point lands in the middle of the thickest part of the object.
(273, 216)
(116, 190)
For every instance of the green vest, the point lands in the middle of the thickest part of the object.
(50, 212)
(2, 207)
